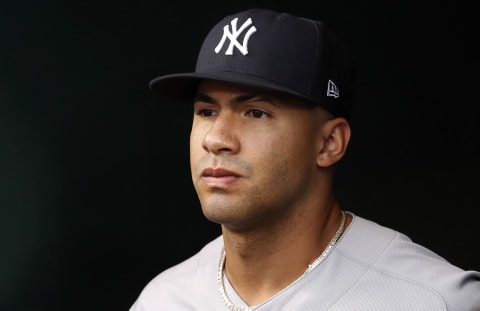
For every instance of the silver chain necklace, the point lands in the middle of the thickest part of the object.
(221, 266)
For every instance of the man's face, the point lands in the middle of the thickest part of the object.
(252, 153)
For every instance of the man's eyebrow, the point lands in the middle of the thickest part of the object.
(246, 97)
(251, 96)
(256, 97)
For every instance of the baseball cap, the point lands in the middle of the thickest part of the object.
(274, 51)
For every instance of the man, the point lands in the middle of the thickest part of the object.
(272, 95)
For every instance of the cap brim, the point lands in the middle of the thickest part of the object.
(183, 86)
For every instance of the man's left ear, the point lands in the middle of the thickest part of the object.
(336, 136)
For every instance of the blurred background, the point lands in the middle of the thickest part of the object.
(95, 188)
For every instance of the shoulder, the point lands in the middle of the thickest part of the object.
(386, 256)
(170, 286)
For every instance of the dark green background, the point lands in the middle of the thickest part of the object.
(95, 188)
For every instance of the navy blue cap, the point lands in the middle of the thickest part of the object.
(274, 51)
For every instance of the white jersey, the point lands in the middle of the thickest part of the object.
(370, 268)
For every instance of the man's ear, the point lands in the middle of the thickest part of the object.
(336, 136)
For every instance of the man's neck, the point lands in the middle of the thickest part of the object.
(259, 264)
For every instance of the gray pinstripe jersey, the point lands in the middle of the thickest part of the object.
(371, 268)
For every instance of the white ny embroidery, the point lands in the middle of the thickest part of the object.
(233, 35)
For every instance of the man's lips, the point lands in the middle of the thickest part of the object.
(219, 177)
(218, 172)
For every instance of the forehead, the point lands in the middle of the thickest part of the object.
(207, 85)
(214, 88)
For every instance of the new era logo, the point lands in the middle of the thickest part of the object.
(233, 36)
(332, 90)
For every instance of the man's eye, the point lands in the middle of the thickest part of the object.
(257, 113)
(206, 112)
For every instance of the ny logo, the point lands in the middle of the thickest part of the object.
(233, 35)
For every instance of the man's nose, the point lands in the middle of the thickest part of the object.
(221, 137)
